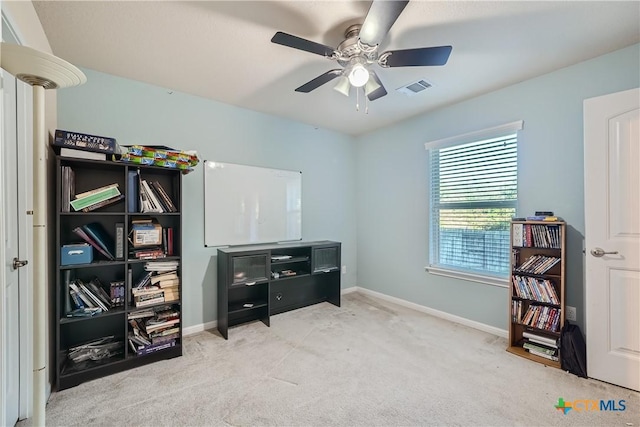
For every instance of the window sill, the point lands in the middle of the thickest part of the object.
(472, 277)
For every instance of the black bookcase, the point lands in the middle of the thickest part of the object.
(255, 282)
(74, 331)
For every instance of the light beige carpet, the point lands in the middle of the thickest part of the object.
(366, 363)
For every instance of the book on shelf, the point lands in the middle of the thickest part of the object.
(168, 283)
(540, 348)
(164, 196)
(517, 234)
(119, 244)
(148, 253)
(98, 289)
(133, 191)
(68, 188)
(164, 338)
(545, 355)
(169, 275)
(85, 290)
(112, 201)
(86, 201)
(117, 293)
(84, 312)
(161, 266)
(152, 326)
(150, 200)
(531, 288)
(156, 347)
(82, 154)
(537, 264)
(145, 300)
(95, 234)
(540, 339)
(66, 290)
(86, 142)
(143, 280)
(84, 297)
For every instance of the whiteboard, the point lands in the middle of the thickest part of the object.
(250, 204)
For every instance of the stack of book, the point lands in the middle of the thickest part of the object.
(536, 235)
(537, 264)
(541, 317)
(151, 289)
(541, 346)
(153, 330)
(97, 198)
(85, 146)
(87, 299)
(147, 196)
(527, 287)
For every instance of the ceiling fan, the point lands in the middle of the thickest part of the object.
(359, 51)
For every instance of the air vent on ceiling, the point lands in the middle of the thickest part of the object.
(415, 87)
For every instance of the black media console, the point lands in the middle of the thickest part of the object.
(255, 282)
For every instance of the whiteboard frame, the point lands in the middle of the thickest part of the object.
(257, 177)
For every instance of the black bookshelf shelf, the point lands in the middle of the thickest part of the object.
(115, 277)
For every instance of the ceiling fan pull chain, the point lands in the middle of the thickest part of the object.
(357, 100)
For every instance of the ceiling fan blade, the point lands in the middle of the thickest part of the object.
(380, 18)
(319, 81)
(299, 43)
(379, 92)
(423, 56)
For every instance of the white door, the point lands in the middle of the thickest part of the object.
(11, 284)
(612, 237)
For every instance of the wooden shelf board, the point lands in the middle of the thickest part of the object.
(524, 353)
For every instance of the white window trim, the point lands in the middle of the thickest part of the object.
(489, 133)
(493, 132)
(471, 277)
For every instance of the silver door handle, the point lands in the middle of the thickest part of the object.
(598, 252)
(19, 263)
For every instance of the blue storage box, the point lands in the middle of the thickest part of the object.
(79, 253)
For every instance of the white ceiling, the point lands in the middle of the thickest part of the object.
(221, 49)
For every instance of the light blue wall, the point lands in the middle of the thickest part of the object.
(137, 113)
(392, 186)
(376, 184)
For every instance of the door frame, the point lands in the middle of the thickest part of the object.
(24, 127)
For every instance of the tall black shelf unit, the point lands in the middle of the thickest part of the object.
(73, 331)
(256, 282)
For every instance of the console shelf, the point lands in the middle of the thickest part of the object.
(257, 275)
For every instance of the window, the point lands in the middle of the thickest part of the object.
(474, 193)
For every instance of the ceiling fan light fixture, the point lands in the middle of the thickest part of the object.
(359, 75)
(343, 85)
(371, 86)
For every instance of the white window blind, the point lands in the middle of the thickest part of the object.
(474, 192)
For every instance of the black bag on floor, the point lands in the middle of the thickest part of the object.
(573, 350)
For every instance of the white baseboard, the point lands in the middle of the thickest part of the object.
(190, 330)
(437, 313)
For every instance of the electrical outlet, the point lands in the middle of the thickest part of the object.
(344, 269)
(570, 313)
